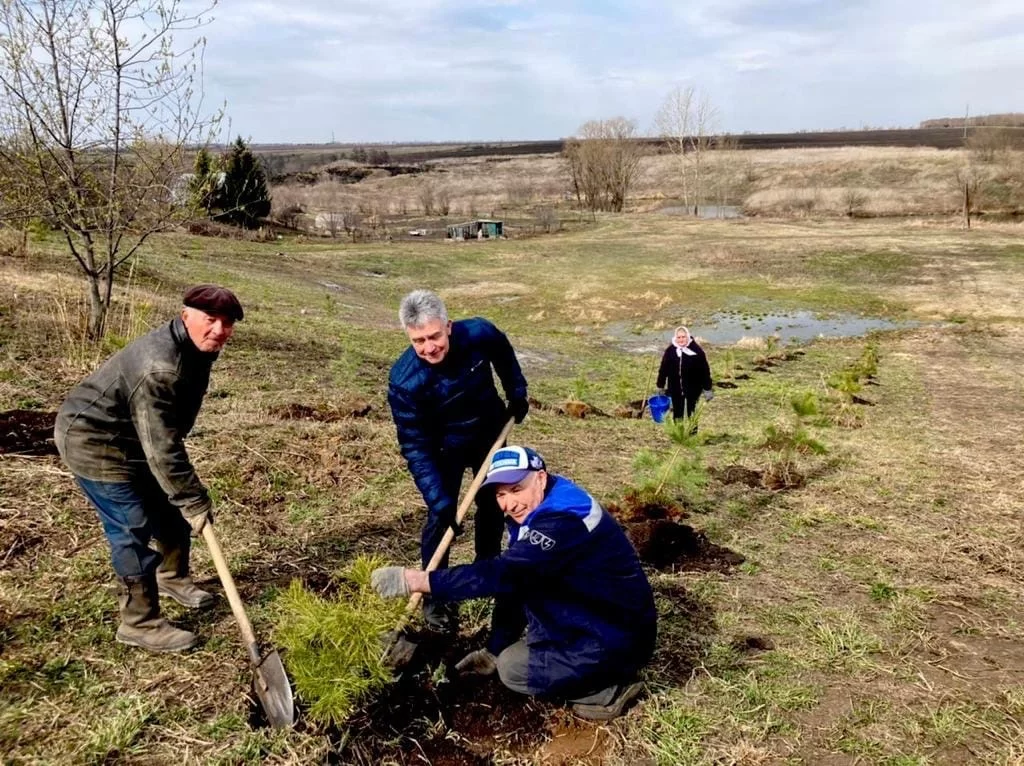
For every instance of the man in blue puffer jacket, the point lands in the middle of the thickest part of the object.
(570, 577)
(448, 413)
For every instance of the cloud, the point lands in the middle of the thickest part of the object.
(399, 70)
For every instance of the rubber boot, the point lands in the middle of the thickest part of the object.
(141, 623)
(174, 580)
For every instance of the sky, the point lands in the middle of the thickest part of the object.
(316, 71)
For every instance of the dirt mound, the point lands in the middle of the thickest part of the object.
(27, 432)
(356, 408)
(664, 543)
(737, 474)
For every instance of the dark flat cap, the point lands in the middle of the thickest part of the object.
(213, 299)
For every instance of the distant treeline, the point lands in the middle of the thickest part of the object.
(1008, 120)
(283, 162)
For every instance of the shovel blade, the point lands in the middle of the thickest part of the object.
(274, 692)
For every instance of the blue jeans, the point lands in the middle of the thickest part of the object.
(132, 513)
(489, 522)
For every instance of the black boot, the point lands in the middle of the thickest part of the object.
(141, 623)
(174, 579)
(608, 704)
(441, 617)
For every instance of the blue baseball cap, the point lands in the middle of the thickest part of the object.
(510, 465)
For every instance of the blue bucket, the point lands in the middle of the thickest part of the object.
(659, 406)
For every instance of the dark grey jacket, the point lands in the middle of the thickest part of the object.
(133, 413)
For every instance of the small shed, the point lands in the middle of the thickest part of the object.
(479, 229)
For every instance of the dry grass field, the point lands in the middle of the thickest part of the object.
(873, 609)
(828, 182)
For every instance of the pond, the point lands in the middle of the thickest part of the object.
(705, 211)
(726, 328)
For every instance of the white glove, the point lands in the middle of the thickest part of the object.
(390, 582)
(478, 663)
(709, 395)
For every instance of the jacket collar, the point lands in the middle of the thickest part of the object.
(188, 348)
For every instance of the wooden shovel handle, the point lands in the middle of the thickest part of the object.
(460, 514)
(232, 593)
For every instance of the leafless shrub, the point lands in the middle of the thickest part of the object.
(426, 198)
(854, 201)
(989, 144)
(545, 218)
(334, 222)
(443, 201)
(519, 191)
(968, 183)
(352, 222)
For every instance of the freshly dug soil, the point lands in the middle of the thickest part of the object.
(27, 432)
(668, 545)
(737, 474)
(664, 543)
(433, 715)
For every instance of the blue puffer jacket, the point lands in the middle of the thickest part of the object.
(580, 585)
(452, 408)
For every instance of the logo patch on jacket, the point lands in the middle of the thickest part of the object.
(539, 538)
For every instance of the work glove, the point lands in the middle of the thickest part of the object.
(390, 582)
(708, 395)
(478, 663)
(447, 515)
(517, 409)
(199, 521)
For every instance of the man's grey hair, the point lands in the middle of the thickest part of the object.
(420, 307)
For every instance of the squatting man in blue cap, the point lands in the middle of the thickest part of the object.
(448, 413)
(570, 577)
(122, 433)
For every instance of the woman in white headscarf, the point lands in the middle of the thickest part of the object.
(684, 373)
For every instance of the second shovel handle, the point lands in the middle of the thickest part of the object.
(460, 514)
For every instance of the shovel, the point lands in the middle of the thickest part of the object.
(398, 649)
(269, 680)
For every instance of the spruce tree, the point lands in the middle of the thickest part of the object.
(242, 198)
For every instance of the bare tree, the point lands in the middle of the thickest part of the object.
(426, 196)
(968, 182)
(352, 222)
(99, 114)
(602, 162)
(444, 201)
(334, 222)
(686, 122)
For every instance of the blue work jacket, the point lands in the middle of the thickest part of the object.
(445, 411)
(579, 581)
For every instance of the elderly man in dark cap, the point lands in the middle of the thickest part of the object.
(122, 433)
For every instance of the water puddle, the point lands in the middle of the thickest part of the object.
(705, 211)
(726, 328)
